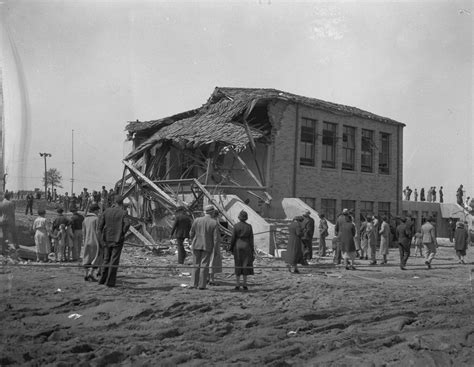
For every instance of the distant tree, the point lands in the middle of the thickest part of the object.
(53, 178)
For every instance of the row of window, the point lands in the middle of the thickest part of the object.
(308, 141)
(328, 207)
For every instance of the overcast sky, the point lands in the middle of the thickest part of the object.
(92, 66)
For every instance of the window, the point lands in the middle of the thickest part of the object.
(348, 204)
(366, 208)
(307, 142)
(384, 155)
(329, 145)
(328, 208)
(310, 202)
(367, 146)
(348, 148)
(384, 209)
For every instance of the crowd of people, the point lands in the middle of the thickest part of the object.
(350, 242)
(99, 234)
(432, 195)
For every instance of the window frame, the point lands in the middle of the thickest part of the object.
(369, 153)
(384, 153)
(329, 149)
(309, 144)
(329, 210)
(348, 164)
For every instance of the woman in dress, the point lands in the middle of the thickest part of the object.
(242, 247)
(41, 227)
(92, 258)
(294, 252)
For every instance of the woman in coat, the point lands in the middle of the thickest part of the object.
(242, 247)
(294, 251)
(41, 227)
(92, 258)
(345, 228)
(461, 240)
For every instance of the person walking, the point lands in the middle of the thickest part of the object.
(429, 240)
(242, 247)
(461, 241)
(76, 228)
(403, 235)
(384, 239)
(205, 236)
(294, 252)
(29, 203)
(113, 225)
(307, 239)
(323, 233)
(181, 227)
(346, 231)
(41, 227)
(92, 258)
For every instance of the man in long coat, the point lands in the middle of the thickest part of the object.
(346, 231)
(204, 235)
(113, 225)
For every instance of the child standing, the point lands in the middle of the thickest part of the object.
(40, 227)
(418, 243)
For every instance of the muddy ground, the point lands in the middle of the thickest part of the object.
(325, 316)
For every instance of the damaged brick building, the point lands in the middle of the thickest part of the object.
(265, 146)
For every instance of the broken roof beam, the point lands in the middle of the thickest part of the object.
(249, 171)
(165, 197)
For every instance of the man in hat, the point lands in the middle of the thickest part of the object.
(113, 225)
(307, 239)
(76, 228)
(181, 227)
(429, 240)
(205, 236)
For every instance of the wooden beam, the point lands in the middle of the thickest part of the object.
(163, 194)
(249, 171)
(141, 237)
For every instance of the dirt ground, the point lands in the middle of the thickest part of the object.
(325, 316)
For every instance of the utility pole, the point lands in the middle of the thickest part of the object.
(72, 165)
(45, 155)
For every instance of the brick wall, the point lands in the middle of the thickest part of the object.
(290, 179)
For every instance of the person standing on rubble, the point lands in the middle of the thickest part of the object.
(181, 227)
(205, 236)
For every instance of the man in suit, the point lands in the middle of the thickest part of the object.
(181, 227)
(429, 240)
(204, 235)
(404, 241)
(113, 225)
(307, 239)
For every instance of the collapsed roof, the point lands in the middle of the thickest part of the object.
(223, 119)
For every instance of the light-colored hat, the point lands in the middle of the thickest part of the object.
(208, 209)
(345, 211)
